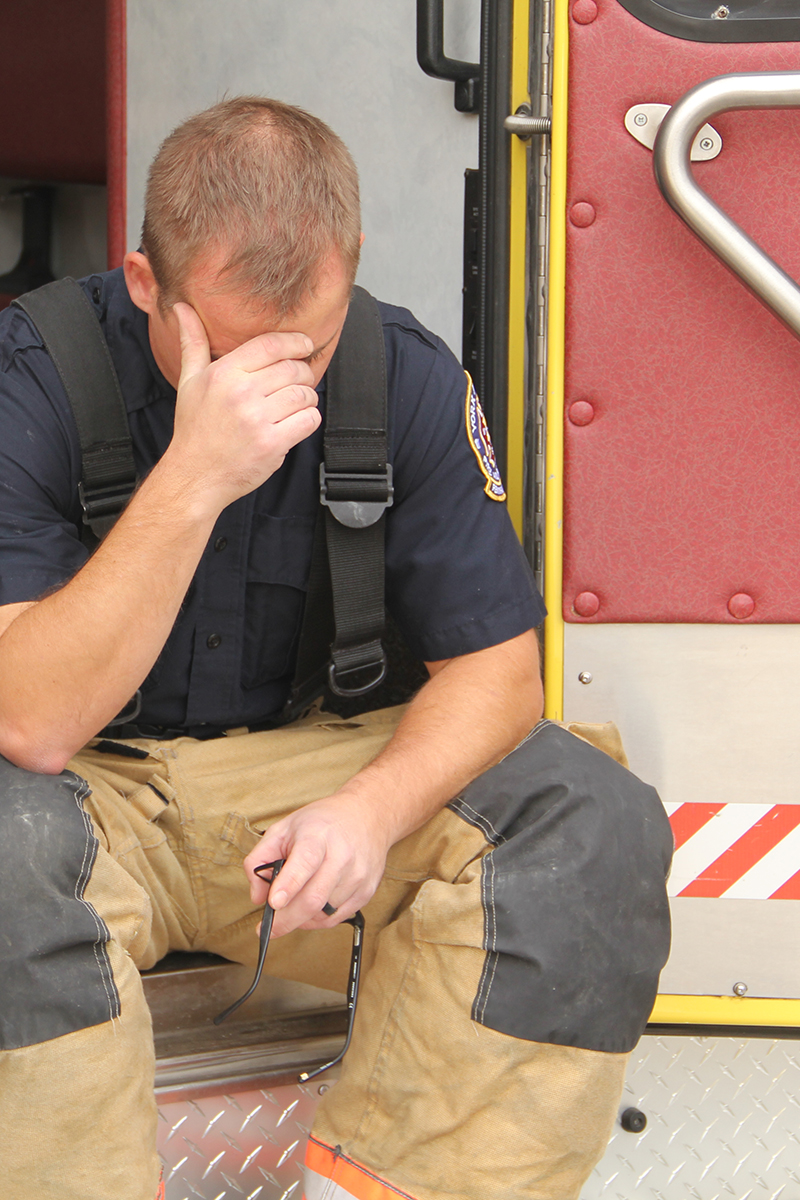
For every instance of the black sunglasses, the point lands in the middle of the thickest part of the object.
(357, 921)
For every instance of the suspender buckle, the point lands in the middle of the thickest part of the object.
(100, 501)
(357, 499)
(370, 657)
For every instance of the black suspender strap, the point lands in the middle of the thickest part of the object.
(347, 654)
(74, 340)
(356, 489)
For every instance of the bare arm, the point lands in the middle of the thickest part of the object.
(472, 711)
(71, 661)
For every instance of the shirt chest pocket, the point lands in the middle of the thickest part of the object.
(277, 578)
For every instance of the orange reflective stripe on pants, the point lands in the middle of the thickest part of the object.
(331, 1175)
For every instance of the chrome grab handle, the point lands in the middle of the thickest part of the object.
(768, 89)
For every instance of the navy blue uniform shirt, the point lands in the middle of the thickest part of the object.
(456, 578)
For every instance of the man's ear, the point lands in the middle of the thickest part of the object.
(142, 286)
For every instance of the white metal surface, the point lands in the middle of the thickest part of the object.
(707, 712)
(723, 1123)
(353, 63)
(704, 712)
(719, 943)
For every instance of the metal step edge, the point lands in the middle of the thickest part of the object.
(231, 1067)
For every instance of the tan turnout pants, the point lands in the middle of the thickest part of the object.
(430, 1103)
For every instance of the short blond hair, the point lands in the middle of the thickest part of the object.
(269, 184)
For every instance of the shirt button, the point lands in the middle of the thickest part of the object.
(220, 543)
(213, 641)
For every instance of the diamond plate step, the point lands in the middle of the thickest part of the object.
(723, 1123)
(723, 1114)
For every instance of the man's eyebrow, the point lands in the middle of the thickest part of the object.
(315, 353)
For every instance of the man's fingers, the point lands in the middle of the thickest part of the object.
(195, 352)
(268, 348)
(301, 864)
(298, 871)
(272, 378)
(297, 426)
(306, 909)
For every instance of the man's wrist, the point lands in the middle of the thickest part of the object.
(372, 800)
(181, 494)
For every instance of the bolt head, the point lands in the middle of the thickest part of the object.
(640, 119)
(633, 1120)
(585, 677)
(322, 1089)
(722, 13)
(706, 144)
(740, 989)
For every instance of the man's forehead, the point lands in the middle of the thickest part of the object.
(232, 314)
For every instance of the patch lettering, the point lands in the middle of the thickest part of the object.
(481, 443)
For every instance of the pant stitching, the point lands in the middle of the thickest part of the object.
(478, 820)
(392, 1019)
(103, 935)
(490, 937)
(184, 845)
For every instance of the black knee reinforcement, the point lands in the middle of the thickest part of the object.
(574, 894)
(55, 976)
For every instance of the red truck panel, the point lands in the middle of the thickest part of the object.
(682, 497)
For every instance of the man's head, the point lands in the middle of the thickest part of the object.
(267, 189)
(252, 217)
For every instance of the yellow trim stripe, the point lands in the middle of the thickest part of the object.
(518, 284)
(554, 450)
(725, 1010)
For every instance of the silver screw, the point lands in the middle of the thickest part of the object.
(722, 13)
(740, 989)
(706, 144)
(640, 119)
(322, 1089)
(585, 677)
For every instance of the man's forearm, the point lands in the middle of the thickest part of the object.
(472, 712)
(69, 663)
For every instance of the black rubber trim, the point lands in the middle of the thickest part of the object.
(494, 158)
(770, 1032)
(710, 29)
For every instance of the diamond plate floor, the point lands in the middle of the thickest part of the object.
(241, 1144)
(723, 1123)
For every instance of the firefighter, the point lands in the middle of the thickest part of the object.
(516, 916)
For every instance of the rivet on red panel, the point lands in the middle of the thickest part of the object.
(581, 412)
(741, 605)
(586, 604)
(584, 11)
(582, 214)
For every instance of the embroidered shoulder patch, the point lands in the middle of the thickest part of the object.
(478, 434)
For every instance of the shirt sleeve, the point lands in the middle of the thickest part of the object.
(40, 547)
(456, 576)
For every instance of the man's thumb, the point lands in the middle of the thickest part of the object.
(195, 351)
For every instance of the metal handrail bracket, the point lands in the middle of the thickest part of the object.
(725, 93)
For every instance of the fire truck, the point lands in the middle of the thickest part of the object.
(595, 202)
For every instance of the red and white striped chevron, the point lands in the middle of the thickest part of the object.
(736, 851)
